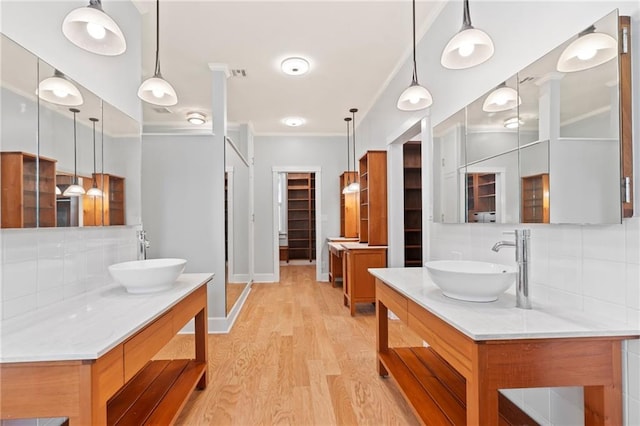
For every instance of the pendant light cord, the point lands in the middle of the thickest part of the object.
(75, 156)
(353, 113)
(466, 16)
(157, 73)
(415, 73)
(347, 120)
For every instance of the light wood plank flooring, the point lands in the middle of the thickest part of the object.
(296, 357)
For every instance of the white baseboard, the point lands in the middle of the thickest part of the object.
(239, 278)
(264, 278)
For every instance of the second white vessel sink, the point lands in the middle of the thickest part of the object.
(472, 281)
(147, 276)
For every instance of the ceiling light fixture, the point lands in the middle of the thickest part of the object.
(91, 29)
(74, 190)
(57, 89)
(196, 118)
(294, 121)
(590, 49)
(469, 47)
(94, 191)
(414, 97)
(156, 90)
(346, 189)
(513, 123)
(355, 185)
(503, 98)
(295, 66)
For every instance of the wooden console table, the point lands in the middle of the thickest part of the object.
(358, 285)
(336, 252)
(456, 380)
(120, 386)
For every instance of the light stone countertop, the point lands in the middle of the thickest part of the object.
(360, 246)
(88, 326)
(500, 319)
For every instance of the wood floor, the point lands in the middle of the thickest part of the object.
(296, 357)
(232, 294)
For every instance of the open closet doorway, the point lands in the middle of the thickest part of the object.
(297, 213)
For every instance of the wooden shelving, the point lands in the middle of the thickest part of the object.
(373, 198)
(28, 186)
(481, 197)
(349, 207)
(108, 209)
(301, 232)
(535, 199)
(412, 162)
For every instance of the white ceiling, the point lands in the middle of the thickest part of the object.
(354, 47)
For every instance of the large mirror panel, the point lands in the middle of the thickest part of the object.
(543, 146)
(449, 169)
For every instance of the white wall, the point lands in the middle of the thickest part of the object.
(326, 152)
(571, 263)
(183, 205)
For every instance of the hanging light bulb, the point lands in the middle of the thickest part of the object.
(156, 90)
(589, 50)
(503, 98)
(346, 189)
(414, 97)
(74, 190)
(355, 185)
(94, 191)
(469, 47)
(57, 89)
(91, 29)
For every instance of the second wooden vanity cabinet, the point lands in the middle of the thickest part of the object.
(358, 285)
(373, 198)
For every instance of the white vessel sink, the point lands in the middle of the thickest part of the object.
(471, 280)
(147, 276)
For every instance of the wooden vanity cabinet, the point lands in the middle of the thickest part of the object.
(22, 175)
(358, 284)
(373, 198)
(349, 207)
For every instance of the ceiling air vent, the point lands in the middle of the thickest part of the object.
(527, 79)
(238, 73)
(162, 110)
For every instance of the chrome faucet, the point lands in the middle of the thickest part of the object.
(143, 245)
(522, 259)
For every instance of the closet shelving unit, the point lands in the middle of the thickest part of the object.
(301, 216)
(412, 204)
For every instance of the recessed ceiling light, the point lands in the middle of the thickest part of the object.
(293, 121)
(196, 118)
(295, 66)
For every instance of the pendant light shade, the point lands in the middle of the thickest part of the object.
(94, 191)
(415, 97)
(589, 50)
(156, 90)
(355, 185)
(91, 29)
(58, 90)
(74, 190)
(503, 98)
(469, 47)
(346, 189)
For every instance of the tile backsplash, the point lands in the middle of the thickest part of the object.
(590, 268)
(47, 265)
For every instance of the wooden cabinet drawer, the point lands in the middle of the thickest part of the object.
(145, 344)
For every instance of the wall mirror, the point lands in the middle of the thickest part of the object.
(57, 134)
(543, 146)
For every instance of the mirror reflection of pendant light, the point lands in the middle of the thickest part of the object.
(590, 49)
(346, 190)
(91, 29)
(469, 47)
(503, 98)
(94, 191)
(156, 90)
(355, 185)
(74, 190)
(58, 90)
(414, 97)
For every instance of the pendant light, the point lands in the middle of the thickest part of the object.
(469, 47)
(346, 189)
(590, 49)
(74, 190)
(354, 186)
(503, 98)
(156, 90)
(94, 191)
(414, 97)
(57, 89)
(91, 29)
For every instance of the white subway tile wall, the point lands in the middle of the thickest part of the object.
(591, 268)
(46, 265)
